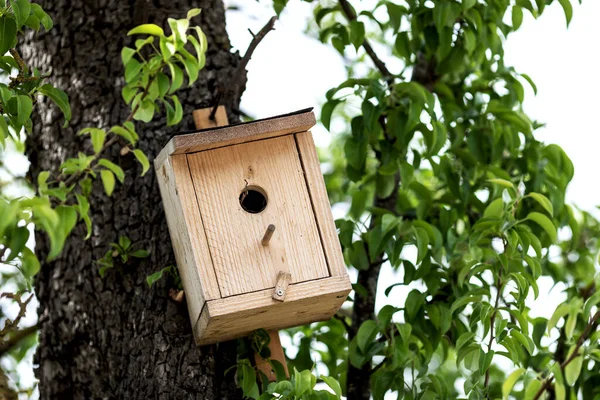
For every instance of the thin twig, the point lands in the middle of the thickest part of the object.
(499, 287)
(238, 76)
(351, 15)
(574, 354)
(16, 337)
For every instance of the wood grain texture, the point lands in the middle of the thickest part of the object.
(187, 234)
(237, 316)
(320, 202)
(277, 354)
(242, 264)
(281, 287)
(202, 118)
(237, 134)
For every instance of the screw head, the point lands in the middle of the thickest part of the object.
(279, 292)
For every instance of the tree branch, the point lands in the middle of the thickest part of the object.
(592, 324)
(16, 337)
(351, 15)
(499, 287)
(239, 75)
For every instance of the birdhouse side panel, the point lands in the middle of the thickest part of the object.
(222, 179)
(187, 233)
(320, 202)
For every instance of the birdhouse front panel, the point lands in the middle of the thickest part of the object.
(241, 190)
(251, 227)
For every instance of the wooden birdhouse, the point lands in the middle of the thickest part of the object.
(251, 226)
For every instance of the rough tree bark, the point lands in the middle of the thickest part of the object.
(114, 337)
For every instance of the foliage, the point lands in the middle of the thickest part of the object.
(154, 69)
(125, 253)
(447, 185)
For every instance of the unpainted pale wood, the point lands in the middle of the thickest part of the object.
(236, 134)
(187, 233)
(320, 203)
(283, 281)
(277, 354)
(237, 316)
(241, 263)
(202, 118)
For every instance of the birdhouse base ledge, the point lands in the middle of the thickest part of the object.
(238, 316)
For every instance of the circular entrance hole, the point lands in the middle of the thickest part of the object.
(253, 199)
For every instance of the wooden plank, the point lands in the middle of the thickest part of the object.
(236, 134)
(202, 118)
(281, 287)
(238, 316)
(277, 354)
(320, 203)
(187, 234)
(242, 264)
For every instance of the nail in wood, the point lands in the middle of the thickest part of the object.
(268, 235)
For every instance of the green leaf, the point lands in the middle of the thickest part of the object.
(97, 136)
(153, 278)
(568, 9)
(177, 114)
(559, 386)
(179, 27)
(108, 180)
(333, 384)
(84, 208)
(147, 29)
(543, 201)
(114, 168)
(145, 111)
(402, 45)
(366, 334)
(560, 312)
(21, 9)
(30, 265)
(463, 301)
(126, 134)
(126, 54)
(466, 4)
(327, 111)
(176, 77)
(24, 108)
(357, 33)
(414, 301)
(545, 223)
(141, 157)
(302, 382)
(517, 17)
(510, 382)
(573, 369)
(193, 12)
(59, 98)
(502, 182)
(8, 34)
(140, 253)
(18, 240)
(4, 132)
(67, 219)
(422, 243)
(530, 81)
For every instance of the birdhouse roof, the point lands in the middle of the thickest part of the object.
(206, 139)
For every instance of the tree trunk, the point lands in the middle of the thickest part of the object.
(114, 337)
